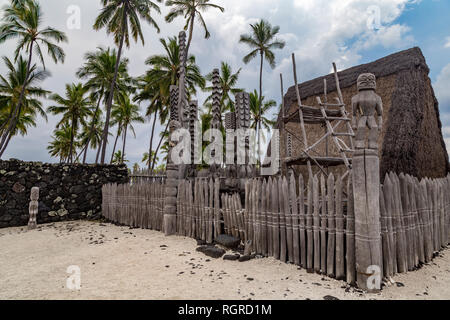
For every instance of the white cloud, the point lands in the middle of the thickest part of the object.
(442, 89)
(447, 42)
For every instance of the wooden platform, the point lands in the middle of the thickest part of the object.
(312, 115)
(323, 161)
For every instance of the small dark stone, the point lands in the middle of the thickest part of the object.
(211, 251)
(330, 298)
(228, 241)
(201, 242)
(250, 279)
(18, 188)
(400, 285)
(246, 258)
(232, 257)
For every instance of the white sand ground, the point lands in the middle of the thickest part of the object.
(122, 263)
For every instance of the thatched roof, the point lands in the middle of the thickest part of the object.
(394, 63)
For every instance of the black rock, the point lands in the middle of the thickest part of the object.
(399, 285)
(246, 258)
(201, 242)
(330, 298)
(211, 251)
(232, 257)
(228, 241)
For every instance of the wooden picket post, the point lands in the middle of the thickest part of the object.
(295, 219)
(331, 244)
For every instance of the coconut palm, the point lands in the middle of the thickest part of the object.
(164, 70)
(190, 9)
(118, 158)
(147, 159)
(259, 114)
(228, 81)
(23, 21)
(119, 17)
(91, 135)
(136, 167)
(262, 41)
(99, 70)
(11, 91)
(124, 114)
(60, 146)
(75, 108)
(151, 93)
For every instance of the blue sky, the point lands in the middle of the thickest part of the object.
(348, 32)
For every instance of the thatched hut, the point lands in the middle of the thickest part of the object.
(411, 140)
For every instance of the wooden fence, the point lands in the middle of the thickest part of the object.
(309, 223)
(415, 218)
(312, 224)
(135, 205)
(202, 213)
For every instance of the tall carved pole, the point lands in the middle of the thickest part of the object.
(193, 117)
(183, 103)
(33, 208)
(216, 120)
(243, 122)
(366, 184)
(170, 200)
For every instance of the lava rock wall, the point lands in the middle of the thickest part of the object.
(67, 192)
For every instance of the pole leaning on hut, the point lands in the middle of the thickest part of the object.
(366, 184)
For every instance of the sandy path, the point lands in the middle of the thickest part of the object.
(120, 263)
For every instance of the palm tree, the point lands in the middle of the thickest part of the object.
(125, 113)
(99, 70)
(91, 135)
(258, 114)
(155, 84)
(60, 146)
(228, 81)
(164, 70)
(75, 108)
(118, 158)
(262, 40)
(118, 16)
(22, 20)
(190, 9)
(146, 159)
(136, 167)
(11, 91)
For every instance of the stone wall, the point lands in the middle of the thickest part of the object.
(67, 192)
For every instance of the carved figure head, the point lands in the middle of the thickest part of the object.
(34, 194)
(367, 81)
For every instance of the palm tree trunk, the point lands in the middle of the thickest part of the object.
(159, 146)
(115, 144)
(124, 143)
(7, 142)
(151, 141)
(18, 108)
(191, 32)
(98, 151)
(71, 141)
(260, 106)
(92, 126)
(113, 84)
